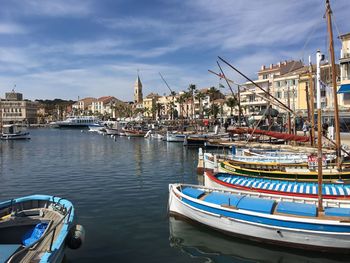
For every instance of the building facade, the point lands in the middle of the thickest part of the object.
(16, 110)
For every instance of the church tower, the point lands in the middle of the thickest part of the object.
(138, 97)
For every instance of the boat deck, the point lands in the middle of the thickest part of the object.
(270, 206)
(26, 219)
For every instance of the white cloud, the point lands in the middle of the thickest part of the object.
(53, 7)
(11, 29)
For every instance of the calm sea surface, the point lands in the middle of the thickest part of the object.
(120, 191)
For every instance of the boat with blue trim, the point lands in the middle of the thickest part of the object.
(271, 186)
(175, 137)
(282, 172)
(37, 228)
(14, 132)
(76, 122)
(276, 219)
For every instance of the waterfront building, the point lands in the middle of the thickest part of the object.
(253, 99)
(83, 106)
(16, 110)
(166, 106)
(344, 62)
(105, 106)
(150, 108)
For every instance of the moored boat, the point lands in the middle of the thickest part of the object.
(331, 174)
(76, 122)
(14, 132)
(37, 228)
(284, 221)
(175, 137)
(271, 186)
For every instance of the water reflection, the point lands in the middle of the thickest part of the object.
(211, 246)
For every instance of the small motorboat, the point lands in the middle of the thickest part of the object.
(14, 132)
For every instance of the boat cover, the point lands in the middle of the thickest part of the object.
(335, 211)
(256, 204)
(192, 192)
(296, 209)
(222, 199)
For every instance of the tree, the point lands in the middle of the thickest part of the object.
(213, 93)
(191, 90)
(214, 110)
(200, 96)
(231, 102)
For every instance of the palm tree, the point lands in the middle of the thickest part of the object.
(213, 93)
(172, 104)
(231, 102)
(214, 110)
(191, 90)
(200, 96)
(181, 101)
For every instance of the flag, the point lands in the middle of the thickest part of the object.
(221, 86)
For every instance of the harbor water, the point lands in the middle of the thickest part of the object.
(120, 190)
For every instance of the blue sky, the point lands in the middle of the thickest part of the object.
(69, 48)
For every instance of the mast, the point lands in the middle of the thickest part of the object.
(312, 104)
(319, 58)
(289, 115)
(334, 81)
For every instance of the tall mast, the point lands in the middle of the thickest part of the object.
(319, 58)
(312, 104)
(334, 81)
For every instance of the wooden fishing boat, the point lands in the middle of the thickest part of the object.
(14, 132)
(207, 161)
(276, 219)
(298, 173)
(280, 187)
(37, 228)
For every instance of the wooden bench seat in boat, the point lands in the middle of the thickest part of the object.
(298, 209)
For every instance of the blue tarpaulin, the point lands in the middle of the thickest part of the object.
(345, 88)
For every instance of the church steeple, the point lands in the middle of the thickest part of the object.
(138, 97)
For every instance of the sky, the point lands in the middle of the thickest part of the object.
(72, 49)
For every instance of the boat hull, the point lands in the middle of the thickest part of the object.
(231, 223)
(276, 187)
(16, 136)
(334, 176)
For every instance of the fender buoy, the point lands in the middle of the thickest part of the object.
(76, 237)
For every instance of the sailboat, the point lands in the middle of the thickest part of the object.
(301, 222)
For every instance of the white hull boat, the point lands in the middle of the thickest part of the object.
(175, 137)
(14, 132)
(281, 221)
